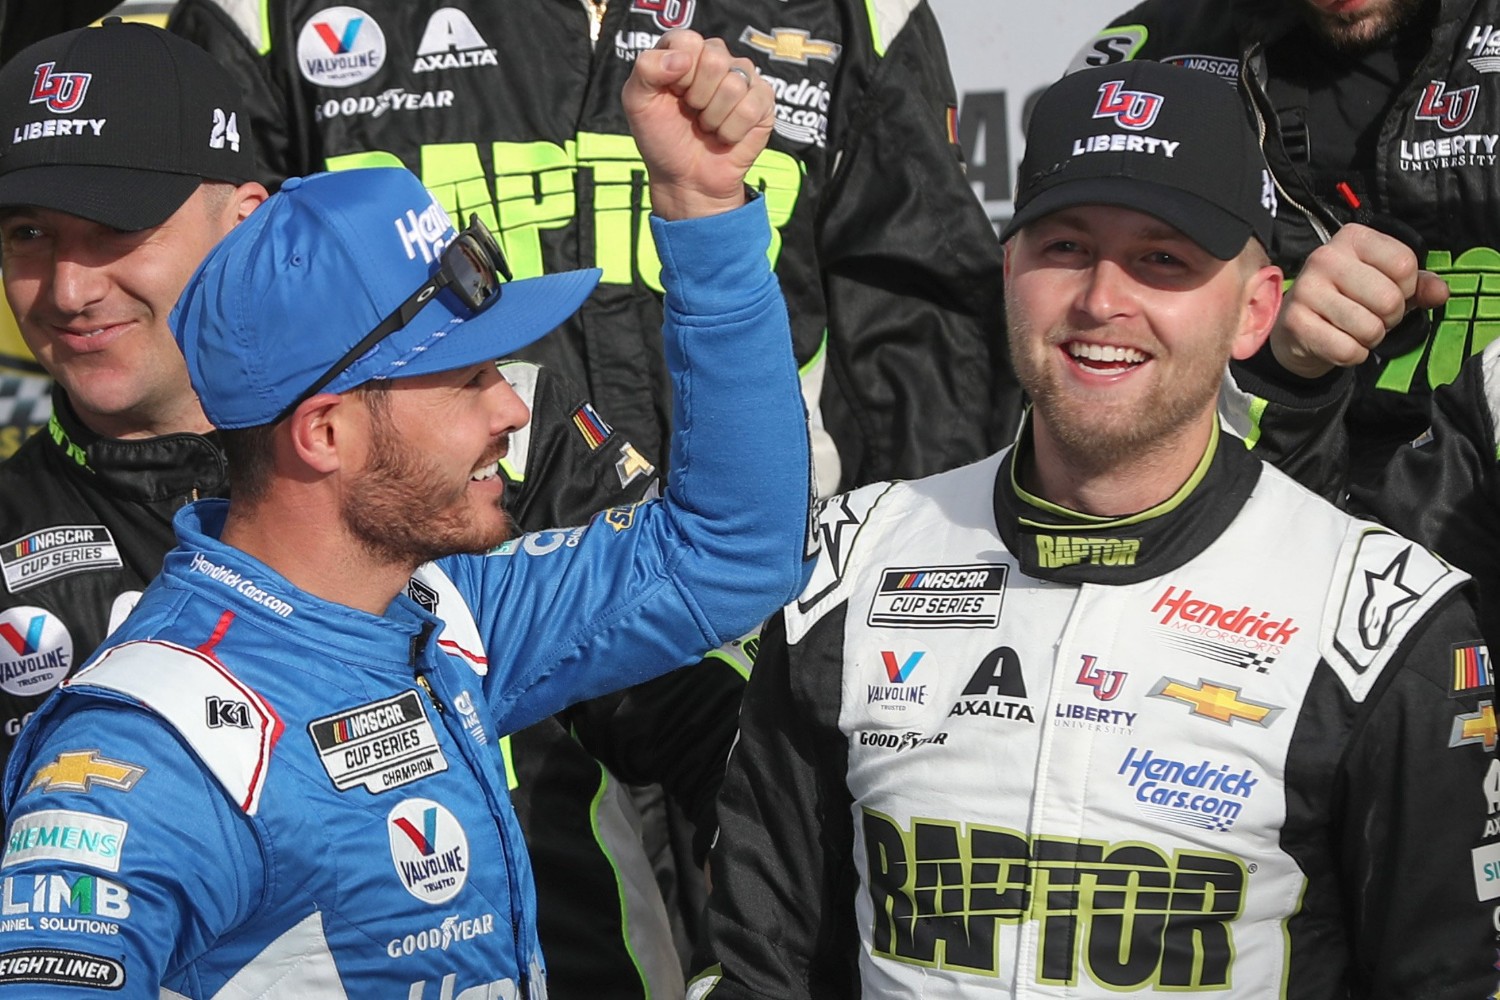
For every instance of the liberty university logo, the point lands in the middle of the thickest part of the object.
(1451, 109)
(62, 92)
(667, 14)
(1132, 109)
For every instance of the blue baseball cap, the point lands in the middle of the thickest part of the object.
(299, 283)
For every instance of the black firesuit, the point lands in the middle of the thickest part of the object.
(1432, 166)
(86, 521)
(1238, 745)
(891, 271)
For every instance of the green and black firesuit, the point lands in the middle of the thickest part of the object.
(1411, 128)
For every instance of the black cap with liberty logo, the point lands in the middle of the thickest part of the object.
(118, 124)
(1166, 140)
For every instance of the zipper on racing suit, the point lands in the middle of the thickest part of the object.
(1256, 93)
(418, 644)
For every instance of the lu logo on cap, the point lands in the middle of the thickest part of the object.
(62, 92)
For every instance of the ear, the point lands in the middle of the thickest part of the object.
(319, 433)
(247, 198)
(1262, 306)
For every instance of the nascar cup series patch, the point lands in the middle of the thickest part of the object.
(382, 745)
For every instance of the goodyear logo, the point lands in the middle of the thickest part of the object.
(939, 597)
(1153, 918)
(1057, 551)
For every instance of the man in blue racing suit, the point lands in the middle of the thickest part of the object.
(277, 778)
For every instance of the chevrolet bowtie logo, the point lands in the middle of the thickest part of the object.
(81, 770)
(1220, 703)
(1475, 727)
(791, 45)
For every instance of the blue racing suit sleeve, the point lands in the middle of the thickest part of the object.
(646, 588)
(85, 903)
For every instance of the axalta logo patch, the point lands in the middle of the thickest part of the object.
(1193, 792)
(450, 41)
(939, 597)
(36, 651)
(339, 47)
(57, 552)
(996, 689)
(381, 745)
(67, 836)
(429, 849)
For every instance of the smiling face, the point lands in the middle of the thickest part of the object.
(430, 485)
(1120, 328)
(1358, 24)
(92, 305)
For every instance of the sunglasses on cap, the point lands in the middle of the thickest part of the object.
(472, 267)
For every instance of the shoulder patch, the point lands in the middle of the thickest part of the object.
(1112, 45)
(1390, 584)
(230, 728)
(836, 525)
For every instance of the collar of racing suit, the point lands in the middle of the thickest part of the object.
(141, 470)
(1063, 546)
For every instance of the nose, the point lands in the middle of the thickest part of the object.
(76, 284)
(1107, 292)
(508, 412)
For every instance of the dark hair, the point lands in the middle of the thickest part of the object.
(251, 451)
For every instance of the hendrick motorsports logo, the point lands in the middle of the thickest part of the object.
(61, 551)
(429, 849)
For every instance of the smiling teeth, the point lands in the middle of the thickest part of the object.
(486, 472)
(1104, 352)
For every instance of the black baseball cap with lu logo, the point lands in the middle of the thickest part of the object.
(1166, 140)
(118, 124)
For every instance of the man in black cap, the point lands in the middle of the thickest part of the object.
(122, 162)
(1121, 708)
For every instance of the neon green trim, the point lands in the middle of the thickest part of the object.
(512, 473)
(817, 357)
(1085, 521)
(265, 28)
(876, 41)
(734, 664)
(511, 781)
(1138, 33)
(358, 161)
(1257, 413)
(619, 882)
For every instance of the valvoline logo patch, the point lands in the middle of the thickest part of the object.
(340, 47)
(429, 849)
(899, 672)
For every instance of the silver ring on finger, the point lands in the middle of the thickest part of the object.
(742, 75)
